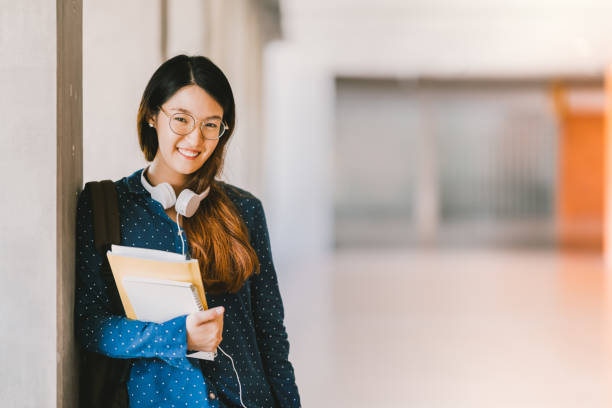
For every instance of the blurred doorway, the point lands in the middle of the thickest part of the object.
(444, 163)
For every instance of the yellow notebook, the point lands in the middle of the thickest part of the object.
(128, 262)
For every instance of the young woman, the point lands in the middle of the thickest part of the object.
(185, 120)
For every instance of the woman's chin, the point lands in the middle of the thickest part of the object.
(187, 168)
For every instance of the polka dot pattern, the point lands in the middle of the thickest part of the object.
(161, 375)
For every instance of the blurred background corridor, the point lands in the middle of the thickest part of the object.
(433, 180)
(435, 176)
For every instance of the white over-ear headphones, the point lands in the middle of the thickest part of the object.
(187, 202)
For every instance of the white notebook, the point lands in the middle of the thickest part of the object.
(156, 300)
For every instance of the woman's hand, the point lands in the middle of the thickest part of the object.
(204, 329)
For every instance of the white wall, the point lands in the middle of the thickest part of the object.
(28, 225)
(121, 50)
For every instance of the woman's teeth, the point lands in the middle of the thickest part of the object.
(188, 153)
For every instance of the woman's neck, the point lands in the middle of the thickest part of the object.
(159, 173)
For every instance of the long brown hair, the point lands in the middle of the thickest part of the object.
(217, 234)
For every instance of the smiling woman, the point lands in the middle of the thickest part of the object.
(185, 120)
(184, 147)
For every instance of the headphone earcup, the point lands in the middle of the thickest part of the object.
(187, 203)
(164, 193)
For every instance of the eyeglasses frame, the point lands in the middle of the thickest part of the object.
(194, 125)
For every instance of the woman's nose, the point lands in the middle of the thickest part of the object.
(195, 136)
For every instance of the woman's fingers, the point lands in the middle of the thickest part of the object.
(204, 329)
(206, 315)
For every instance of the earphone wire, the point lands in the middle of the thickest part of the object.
(180, 232)
(219, 347)
(237, 376)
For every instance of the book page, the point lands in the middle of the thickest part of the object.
(146, 253)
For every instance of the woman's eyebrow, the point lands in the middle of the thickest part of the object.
(189, 112)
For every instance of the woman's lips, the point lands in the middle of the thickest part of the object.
(188, 154)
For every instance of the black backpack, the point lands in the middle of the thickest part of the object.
(103, 380)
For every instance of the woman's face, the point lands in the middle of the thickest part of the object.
(181, 155)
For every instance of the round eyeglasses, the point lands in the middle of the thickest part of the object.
(183, 123)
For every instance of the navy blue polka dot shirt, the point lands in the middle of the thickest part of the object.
(161, 376)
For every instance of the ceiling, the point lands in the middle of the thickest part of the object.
(461, 38)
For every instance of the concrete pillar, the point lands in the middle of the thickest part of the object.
(299, 147)
(40, 50)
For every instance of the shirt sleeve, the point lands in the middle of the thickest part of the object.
(268, 315)
(100, 331)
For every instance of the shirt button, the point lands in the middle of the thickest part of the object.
(212, 396)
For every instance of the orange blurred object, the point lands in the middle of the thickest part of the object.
(580, 202)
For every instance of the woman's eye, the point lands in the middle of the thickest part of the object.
(212, 125)
(180, 119)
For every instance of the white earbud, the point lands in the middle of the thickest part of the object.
(187, 202)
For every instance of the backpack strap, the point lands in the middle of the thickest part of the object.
(105, 214)
(105, 207)
(103, 379)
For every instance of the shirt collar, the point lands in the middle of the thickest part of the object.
(134, 184)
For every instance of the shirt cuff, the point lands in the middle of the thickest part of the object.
(171, 343)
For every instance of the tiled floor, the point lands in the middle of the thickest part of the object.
(453, 328)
